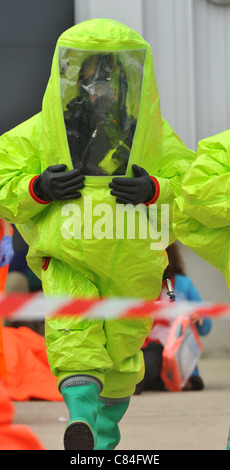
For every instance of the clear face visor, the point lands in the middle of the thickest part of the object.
(100, 96)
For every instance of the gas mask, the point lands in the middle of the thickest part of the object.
(99, 90)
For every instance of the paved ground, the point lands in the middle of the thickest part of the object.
(154, 420)
(157, 421)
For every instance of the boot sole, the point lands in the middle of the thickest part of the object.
(78, 436)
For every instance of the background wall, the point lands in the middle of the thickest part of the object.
(28, 35)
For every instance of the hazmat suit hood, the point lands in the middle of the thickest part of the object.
(122, 43)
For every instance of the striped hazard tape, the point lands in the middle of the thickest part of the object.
(28, 307)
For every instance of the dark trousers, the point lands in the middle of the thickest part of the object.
(153, 362)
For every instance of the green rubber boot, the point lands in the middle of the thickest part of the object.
(110, 412)
(228, 441)
(82, 403)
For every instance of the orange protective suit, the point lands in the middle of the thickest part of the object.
(14, 436)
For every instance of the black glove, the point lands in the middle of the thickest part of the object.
(56, 184)
(135, 190)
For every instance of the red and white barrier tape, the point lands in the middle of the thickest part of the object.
(31, 307)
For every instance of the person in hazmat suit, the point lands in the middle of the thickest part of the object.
(202, 211)
(98, 146)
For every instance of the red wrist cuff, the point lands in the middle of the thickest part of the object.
(32, 193)
(157, 191)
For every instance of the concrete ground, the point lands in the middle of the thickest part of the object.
(158, 421)
(154, 420)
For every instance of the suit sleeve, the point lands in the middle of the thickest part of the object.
(176, 159)
(206, 186)
(201, 214)
(19, 163)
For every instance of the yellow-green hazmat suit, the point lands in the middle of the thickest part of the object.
(202, 212)
(83, 261)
